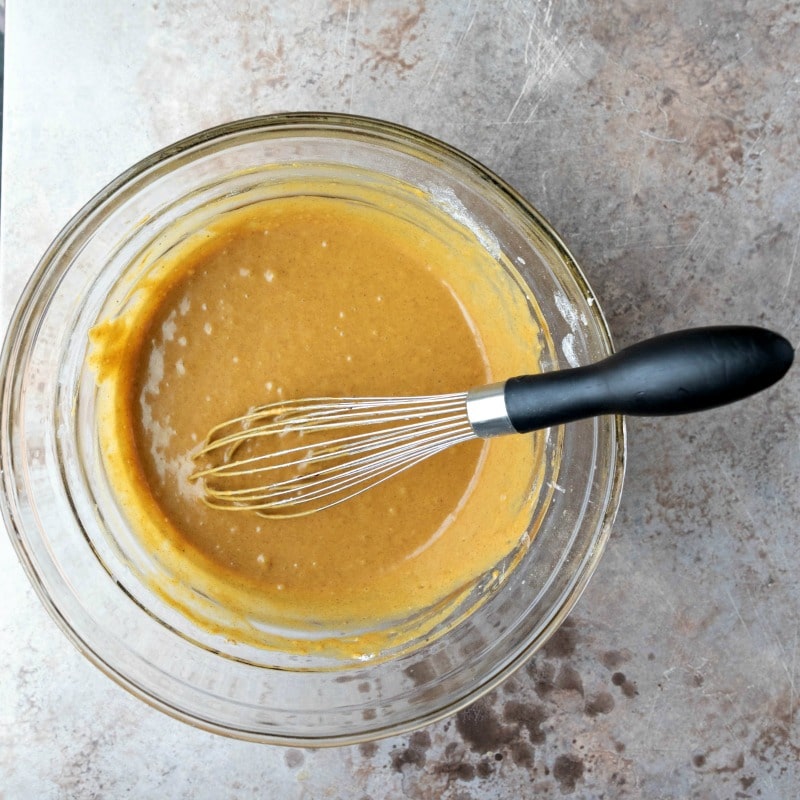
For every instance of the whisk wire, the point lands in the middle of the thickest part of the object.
(376, 461)
(399, 433)
(327, 414)
(355, 443)
(273, 500)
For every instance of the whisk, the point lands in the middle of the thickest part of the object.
(297, 457)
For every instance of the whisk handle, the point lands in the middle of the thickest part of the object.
(677, 373)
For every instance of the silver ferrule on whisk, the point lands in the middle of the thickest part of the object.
(486, 411)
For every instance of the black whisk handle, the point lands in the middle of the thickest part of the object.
(677, 373)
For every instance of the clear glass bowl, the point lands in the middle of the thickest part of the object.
(78, 552)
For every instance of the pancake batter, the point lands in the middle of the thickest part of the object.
(309, 296)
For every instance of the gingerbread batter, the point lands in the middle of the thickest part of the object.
(307, 296)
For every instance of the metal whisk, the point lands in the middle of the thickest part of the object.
(294, 458)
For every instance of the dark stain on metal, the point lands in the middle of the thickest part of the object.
(455, 766)
(415, 753)
(481, 729)
(563, 642)
(627, 687)
(600, 703)
(568, 770)
(612, 659)
(368, 749)
(485, 768)
(522, 754)
(543, 674)
(529, 717)
(293, 758)
(569, 680)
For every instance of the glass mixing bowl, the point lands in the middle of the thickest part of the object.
(86, 564)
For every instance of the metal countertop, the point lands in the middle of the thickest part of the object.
(661, 140)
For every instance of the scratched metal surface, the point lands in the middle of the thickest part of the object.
(661, 139)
